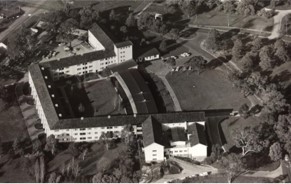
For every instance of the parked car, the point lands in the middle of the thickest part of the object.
(174, 57)
(185, 54)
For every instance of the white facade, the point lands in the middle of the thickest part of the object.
(154, 153)
(94, 42)
(199, 152)
(153, 57)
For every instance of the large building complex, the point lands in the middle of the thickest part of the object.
(176, 133)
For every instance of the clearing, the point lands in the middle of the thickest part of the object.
(11, 123)
(209, 90)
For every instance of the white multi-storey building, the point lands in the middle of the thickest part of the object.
(176, 133)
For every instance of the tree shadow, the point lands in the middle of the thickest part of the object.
(188, 32)
(282, 77)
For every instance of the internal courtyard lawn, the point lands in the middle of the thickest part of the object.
(209, 90)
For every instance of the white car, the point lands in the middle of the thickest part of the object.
(174, 57)
(185, 54)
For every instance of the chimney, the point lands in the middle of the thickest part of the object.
(45, 77)
(108, 116)
(134, 115)
(60, 115)
(53, 95)
(49, 86)
(56, 105)
(42, 68)
(82, 118)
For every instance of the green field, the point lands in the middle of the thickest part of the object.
(209, 90)
(217, 18)
(11, 123)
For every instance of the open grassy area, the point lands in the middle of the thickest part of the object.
(209, 90)
(222, 178)
(97, 159)
(15, 171)
(11, 123)
(233, 123)
(217, 18)
(103, 97)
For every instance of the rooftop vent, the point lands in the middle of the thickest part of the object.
(53, 95)
(45, 77)
(82, 118)
(42, 68)
(108, 116)
(60, 115)
(49, 86)
(141, 92)
(144, 100)
(134, 115)
(56, 105)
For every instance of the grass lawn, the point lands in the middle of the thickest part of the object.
(103, 97)
(11, 123)
(15, 171)
(222, 178)
(233, 123)
(217, 18)
(95, 160)
(212, 90)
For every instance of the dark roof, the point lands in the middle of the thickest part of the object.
(79, 59)
(198, 134)
(122, 66)
(119, 120)
(37, 74)
(178, 134)
(101, 36)
(123, 44)
(152, 132)
(150, 52)
(140, 92)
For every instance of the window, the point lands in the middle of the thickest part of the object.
(89, 137)
(79, 69)
(154, 158)
(96, 132)
(180, 150)
(82, 128)
(154, 150)
(82, 138)
(75, 133)
(84, 63)
(82, 133)
(154, 155)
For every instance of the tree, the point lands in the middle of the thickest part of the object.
(237, 50)
(275, 152)
(163, 46)
(244, 110)
(247, 7)
(232, 165)
(197, 63)
(17, 148)
(266, 61)
(229, 7)
(87, 17)
(257, 44)
(281, 51)
(247, 62)
(274, 100)
(112, 16)
(282, 128)
(66, 31)
(36, 145)
(174, 33)
(248, 140)
(123, 29)
(212, 42)
(1, 148)
(171, 62)
(51, 144)
(130, 21)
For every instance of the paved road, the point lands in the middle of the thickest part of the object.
(278, 22)
(188, 171)
(22, 19)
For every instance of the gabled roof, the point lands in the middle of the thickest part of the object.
(178, 134)
(198, 135)
(140, 92)
(79, 59)
(101, 36)
(150, 52)
(152, 132)
(121, 67)
(123, 44)
(37, 74)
